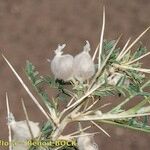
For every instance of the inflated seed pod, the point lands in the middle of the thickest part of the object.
(83, 65)
(86, 142)
(21, 132)
(62, 65)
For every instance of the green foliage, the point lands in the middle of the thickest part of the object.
(47, 129)
(39, 82)
(129, 84)
(139, 52)
(107, 46)
(132, 123)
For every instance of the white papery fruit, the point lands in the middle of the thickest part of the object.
(62, 65)
(83, 65)
(86, 142)
(21, 132)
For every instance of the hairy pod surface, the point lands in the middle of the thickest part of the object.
(86, 142)
(62, 65)
(83, 65)
(21, 132)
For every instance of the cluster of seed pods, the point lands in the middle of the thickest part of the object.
(66, 67)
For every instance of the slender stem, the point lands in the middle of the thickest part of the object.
(26, 88)
(103, 65)
(135, 41)
(85, 134)
(122, 125)
(27, 118)
(99, 127)
(101, 39)
(9, 128)
(78, 102)
(132, 68)
(77, 132)
(60, 128)
(121, 53)
(95, 53)
(134, 109)
(122, 103)
(88, 108)
(133, 61)
(108, 117)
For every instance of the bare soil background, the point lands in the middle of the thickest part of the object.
(32, 29)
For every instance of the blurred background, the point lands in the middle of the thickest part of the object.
(32, 29)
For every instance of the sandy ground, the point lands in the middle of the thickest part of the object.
(31, 29)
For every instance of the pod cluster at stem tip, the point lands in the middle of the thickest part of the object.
(67, 67)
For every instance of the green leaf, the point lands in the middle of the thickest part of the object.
(139, 52)
(47, 129)
(135, 125)
(37, 82)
